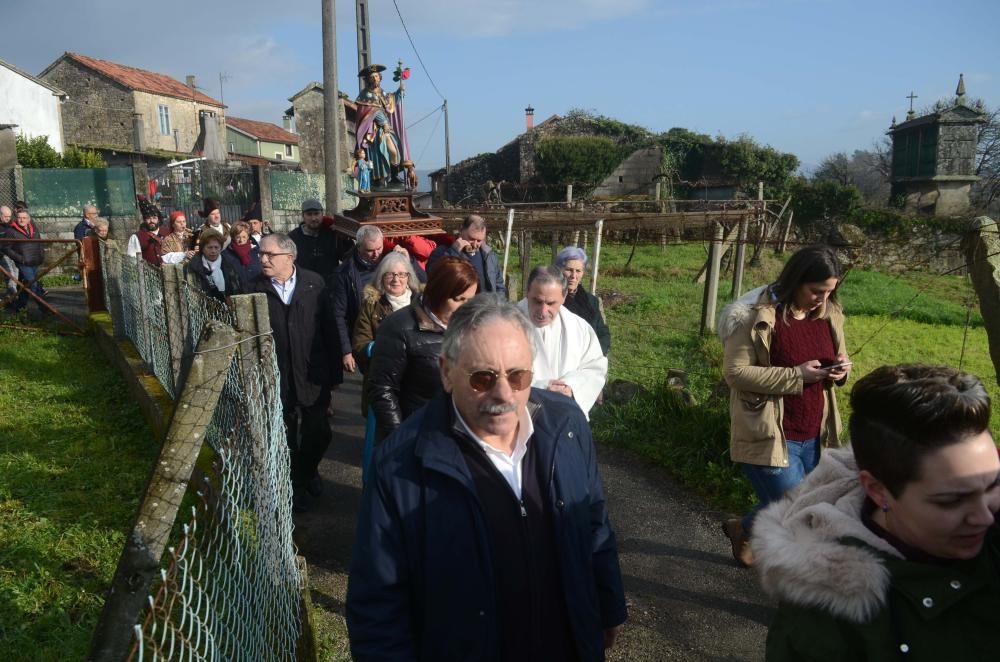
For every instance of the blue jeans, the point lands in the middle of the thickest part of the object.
(771, 483)
(26, 275)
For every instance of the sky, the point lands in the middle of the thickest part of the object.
(810, 77)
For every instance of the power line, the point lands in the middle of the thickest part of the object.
(438, 109)
(415, 51)
(427, 144)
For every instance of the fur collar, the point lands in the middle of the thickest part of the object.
(739, 312)
(799, 549)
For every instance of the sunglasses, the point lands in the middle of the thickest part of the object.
(484, 380)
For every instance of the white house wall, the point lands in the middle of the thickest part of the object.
(32, 107)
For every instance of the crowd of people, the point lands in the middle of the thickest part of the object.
(483, 531)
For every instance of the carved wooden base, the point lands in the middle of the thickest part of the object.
(392, 211)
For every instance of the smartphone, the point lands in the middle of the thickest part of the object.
(838, 366)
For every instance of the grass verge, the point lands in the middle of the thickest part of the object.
(75, 453)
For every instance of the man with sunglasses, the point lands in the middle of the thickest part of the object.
(569, 358)
(483, 532)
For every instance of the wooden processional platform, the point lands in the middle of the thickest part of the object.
(392, 211)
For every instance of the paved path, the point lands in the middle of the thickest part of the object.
(688, 600)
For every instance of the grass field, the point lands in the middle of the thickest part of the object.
(653, 310)
(74, 456)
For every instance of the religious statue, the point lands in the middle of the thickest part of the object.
(361, 168)
(379, 125)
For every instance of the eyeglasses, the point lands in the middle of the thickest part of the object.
(484, 380)
(392, 276)
(271, 256)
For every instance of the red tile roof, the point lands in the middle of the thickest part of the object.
(144, 81)
(263, 130)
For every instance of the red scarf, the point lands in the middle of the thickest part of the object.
(30, 233)
(242, 252)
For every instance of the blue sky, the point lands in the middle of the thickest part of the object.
(810, 77)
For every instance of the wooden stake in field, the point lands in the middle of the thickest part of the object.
(711, 297)
(597, 256)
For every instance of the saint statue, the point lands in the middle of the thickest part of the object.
(380, 129)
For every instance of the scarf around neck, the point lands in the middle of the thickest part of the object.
(242, 252)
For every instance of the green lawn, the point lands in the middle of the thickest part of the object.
(653, 310)
(75, 454)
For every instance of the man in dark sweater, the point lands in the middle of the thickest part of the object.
(320, 248)
(483, 532)
(357, 270)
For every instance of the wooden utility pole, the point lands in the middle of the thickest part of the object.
(331, 108)
(364, 39)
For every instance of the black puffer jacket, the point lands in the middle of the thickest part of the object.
(404, 370)
(28, 255)
(585, 305)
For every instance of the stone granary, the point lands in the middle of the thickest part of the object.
(305, 119)
(934, 157)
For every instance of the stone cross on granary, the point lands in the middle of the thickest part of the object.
(934, 157)
(911, 114)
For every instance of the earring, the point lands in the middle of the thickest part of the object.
(885, 507)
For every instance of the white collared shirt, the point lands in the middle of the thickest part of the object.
(509, 466)
(285, 290)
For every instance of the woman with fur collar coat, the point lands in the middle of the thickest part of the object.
(889, 550)
(784, 354)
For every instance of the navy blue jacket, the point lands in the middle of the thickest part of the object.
(421, 583)
(494, 279)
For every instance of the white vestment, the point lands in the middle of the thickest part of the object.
(568, 349)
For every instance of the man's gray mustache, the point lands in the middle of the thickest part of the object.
(487, 408)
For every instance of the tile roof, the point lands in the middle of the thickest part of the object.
(144, 81)
(263, 130)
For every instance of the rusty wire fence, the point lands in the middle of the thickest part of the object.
(228, 586)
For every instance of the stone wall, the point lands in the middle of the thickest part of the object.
(311, 130)
(633, 176)
(184, 118)
(923, 249)
(98, 111)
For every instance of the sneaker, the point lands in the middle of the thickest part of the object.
(738, 538)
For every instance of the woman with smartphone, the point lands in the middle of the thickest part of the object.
(784, 355)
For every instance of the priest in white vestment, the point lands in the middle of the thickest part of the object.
(569, 359)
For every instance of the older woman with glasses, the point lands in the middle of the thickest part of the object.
(404, 372)
(572, 261)
(391, 289)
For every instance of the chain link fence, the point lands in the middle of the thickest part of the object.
(229, 586)
(8, 187)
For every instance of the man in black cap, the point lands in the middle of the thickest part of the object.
(320, 248)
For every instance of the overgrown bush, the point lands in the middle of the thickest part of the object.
(564, 160)
(38, 153)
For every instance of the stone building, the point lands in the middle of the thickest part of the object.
(934, 157)
(31, 105)
(115, 108)
(306, 120)
(268, 142)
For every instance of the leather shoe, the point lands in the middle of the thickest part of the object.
(740, 540)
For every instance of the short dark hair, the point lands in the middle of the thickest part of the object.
(812, 264)
(449, 277)
(901, 413)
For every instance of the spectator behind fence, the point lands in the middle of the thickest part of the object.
(258, 228)
(471, 246)
(890, 549)
(569, 359)
(146, 240)
(403, 374)
(178, 245)
(354, 274)
(215, 276)
(242, 255)
(305, 346)
(86, 224)
(320, 248)
(27, 257)
(784, 353)
(211, 211)
(101, 229)
(6, 216)
(572, 261)
(483, 532)
(392, 288)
